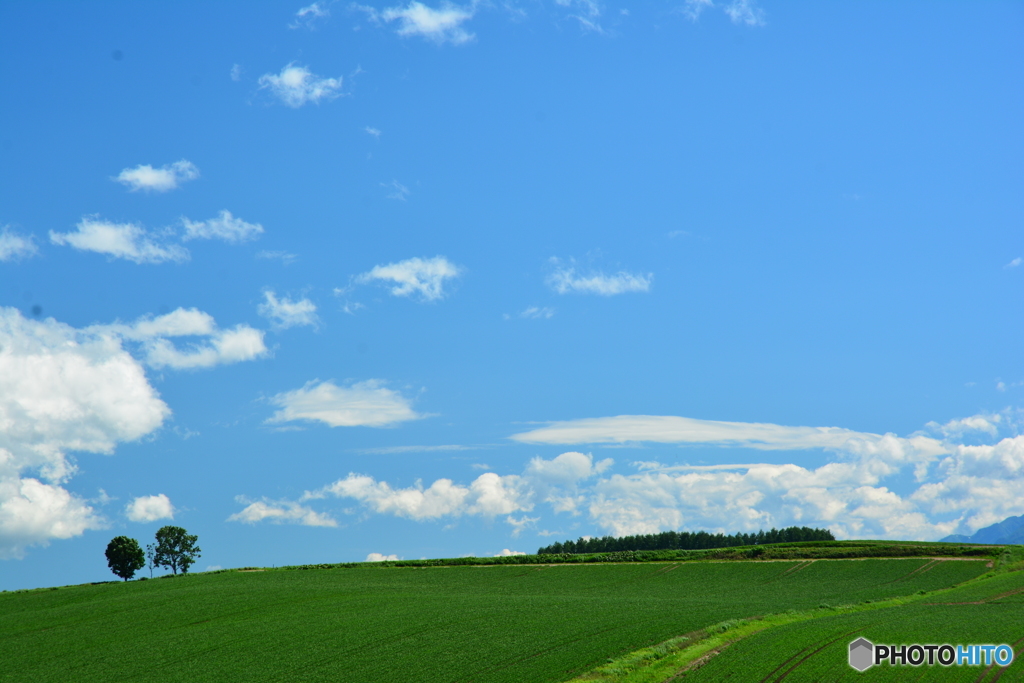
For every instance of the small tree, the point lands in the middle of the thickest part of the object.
(124, 557)
(150, 557)
(175, 548)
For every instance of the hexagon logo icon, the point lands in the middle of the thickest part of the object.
(862, 654)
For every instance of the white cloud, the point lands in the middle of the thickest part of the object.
(1014, 263)
(565, 280)
(489, 495)
(872, 486)
(739, 12)
(439, 25)
(224, 227)
(380, 557)
(308, 15)
(587, 13)
(119, 240)
(284, 313)
(423, 277)
(163, 179)
(280, 512)
(61, 389)
(509, 553)
(745, 12)
(535, 313)
(240, 343)
(14, 246)
(296, 86)
(396, 190)
(236, 72)
(693, 8)
(368, 404)
(373, 131)
(286, 258)
(150, 508)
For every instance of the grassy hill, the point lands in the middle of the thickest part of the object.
(489, 622)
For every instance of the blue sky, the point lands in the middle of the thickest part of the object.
(341, 282)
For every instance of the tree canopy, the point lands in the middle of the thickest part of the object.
(684, 540)
(175, 548)
(125, 557)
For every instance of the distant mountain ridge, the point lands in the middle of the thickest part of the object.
(1010, 531)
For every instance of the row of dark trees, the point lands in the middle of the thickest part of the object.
(175, 549)
(684, 540)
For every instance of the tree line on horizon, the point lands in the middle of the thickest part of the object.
(685, 540)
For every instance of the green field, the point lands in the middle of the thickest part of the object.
(457, 623)
(989, 611)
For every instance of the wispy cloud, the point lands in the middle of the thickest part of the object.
(535, 312)
(285, 257)
(163, 179)
(296, 86)
(739, 11)
(745, 12)
(415, 277)
(566, 279)
(1014, 263)
(119, 240)
(150, 508)
(392, 450)
(361, 404)
(587, 13)
(236, 72)
(396, 190)
(284, 313)
(14, 247)
(370, 130)
(308, 15)
(224, 227)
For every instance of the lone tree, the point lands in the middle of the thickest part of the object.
(175, 548)
(125, 557)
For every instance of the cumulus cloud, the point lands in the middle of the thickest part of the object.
(62, 389)
(284, 313)
(280, 512)
(367, 404)
(119, 240)
(919, 487)
(380, 557)
(440, 25)
(489, 496)
(421, 277)
(565, 279)
(14, 247)
(150, 508)
(509, 553)
(296, 86)
(224, 227)
(215, 346)
(163, 179)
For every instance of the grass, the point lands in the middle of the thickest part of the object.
(811, 645)
(377, 623)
